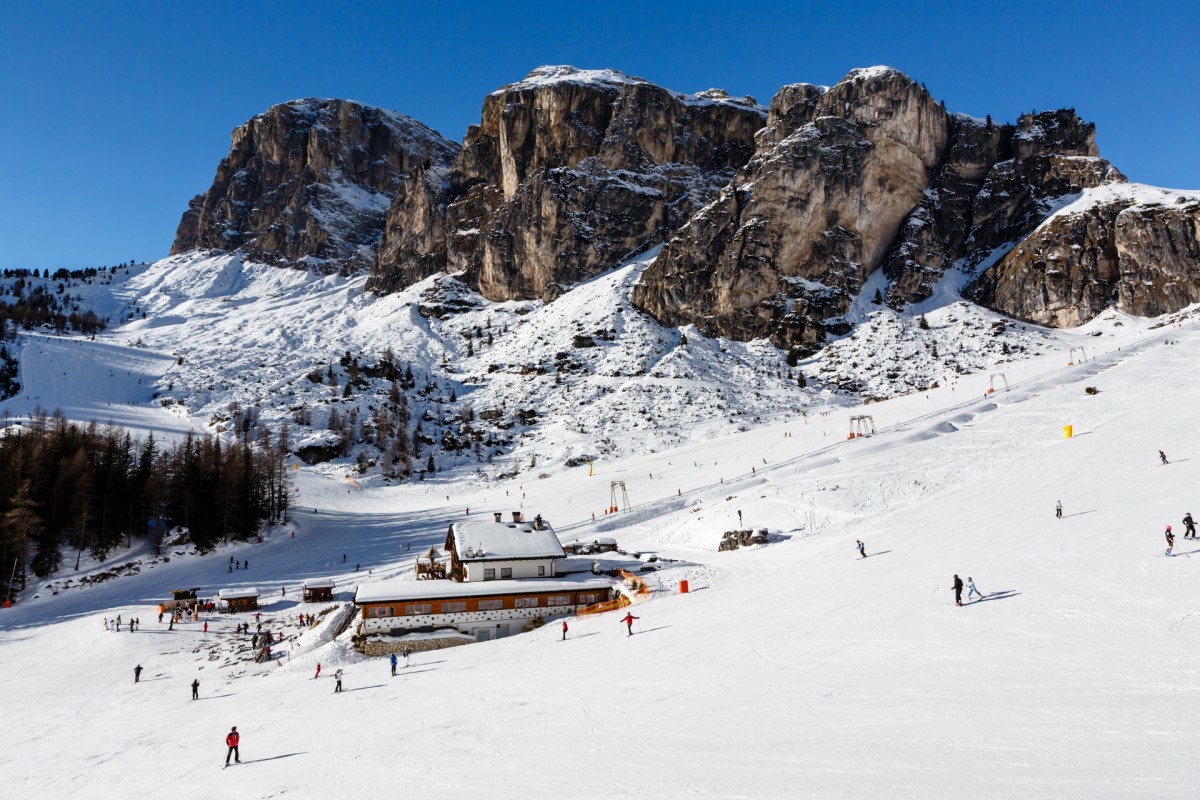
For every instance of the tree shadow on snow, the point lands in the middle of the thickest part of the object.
(1001, 595)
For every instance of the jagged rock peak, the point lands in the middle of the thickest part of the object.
(568, 173)
(551, 75)
(308, 183)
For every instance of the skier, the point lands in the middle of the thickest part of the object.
(338, 675)
(862, 548)
(232, 742)
(106, 623)
(318, 672)
(407, 653)
(196, 689)
(394, 660)
(137, 673)
(971, 590)
(1058, 509)
(1162, 456)
(231, 568)
(1170, 540)
(1189, 531)
(160, 617)
(739, 518)
(958, 587)
(628, 620)
(246, 564)
(206, 626)
(564, 638)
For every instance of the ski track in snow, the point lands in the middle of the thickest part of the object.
(794, 669)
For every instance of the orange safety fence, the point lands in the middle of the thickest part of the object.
(600, 608)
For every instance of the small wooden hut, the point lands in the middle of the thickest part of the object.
(234, 600)
(318, 590)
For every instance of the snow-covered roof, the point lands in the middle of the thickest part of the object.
(233, 594)
(399, 591)
(319, 583)
(500, 541)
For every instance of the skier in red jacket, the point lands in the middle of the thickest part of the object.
(232, 741)
(564, 638)
(628, 620)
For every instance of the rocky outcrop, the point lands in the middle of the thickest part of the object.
(791, 241)
(308, 183)
(1118, 248)
(569, 172)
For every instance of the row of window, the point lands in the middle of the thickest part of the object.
(489, 574)
(460, 606)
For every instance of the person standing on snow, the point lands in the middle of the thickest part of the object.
(1162, 456)
(628, 620)
(862, 548)
(564, 638)
(137, 673)
(1058, 509)
(394, 661)
(958, 587)
(1170, 540)
(196, 689)
(971, 590)
(231, 741)
(318, 672)
(338, 675)
(407, 653)
(1189, 530)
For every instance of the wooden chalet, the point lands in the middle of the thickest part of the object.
(234, 600)
(483, 609)
(318, 590)
(482, 550)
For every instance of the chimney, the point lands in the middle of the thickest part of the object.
(517, 516)
(498, 515)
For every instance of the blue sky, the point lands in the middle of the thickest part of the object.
(116, 116)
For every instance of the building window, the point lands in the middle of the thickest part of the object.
(541, 571)
(454, 608)
(381, 611)
(559, 600)
(415, 609)
(489, 574)
(506, 572)
(491, 605)
(525, 602)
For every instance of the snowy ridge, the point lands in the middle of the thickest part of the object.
(552, 75)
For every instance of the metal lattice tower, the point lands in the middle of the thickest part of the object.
(618, 498)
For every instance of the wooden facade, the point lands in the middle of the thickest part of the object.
(562, 601)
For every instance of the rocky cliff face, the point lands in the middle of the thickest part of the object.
(791, 241)
(568, 172)
(309, 183)
(1127, 246)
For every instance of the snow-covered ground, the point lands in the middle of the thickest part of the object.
(794, 669)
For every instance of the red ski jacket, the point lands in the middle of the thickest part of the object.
(232, 739)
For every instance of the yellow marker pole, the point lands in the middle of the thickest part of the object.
(1068, 431)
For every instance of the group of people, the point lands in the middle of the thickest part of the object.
(115, 625)
(971, 590)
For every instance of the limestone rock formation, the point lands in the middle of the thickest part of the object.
(791, 241)
(1126, 246)
(309, 182)
(568, 172)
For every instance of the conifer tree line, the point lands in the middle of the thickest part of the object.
(69, 489)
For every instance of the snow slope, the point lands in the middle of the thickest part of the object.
(791, 670)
